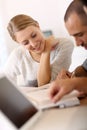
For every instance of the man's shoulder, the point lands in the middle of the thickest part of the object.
(85, 64)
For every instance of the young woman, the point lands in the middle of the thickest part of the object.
(37, 60)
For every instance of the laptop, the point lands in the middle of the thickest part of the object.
(20, 112)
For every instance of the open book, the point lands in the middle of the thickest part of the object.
(39, 97)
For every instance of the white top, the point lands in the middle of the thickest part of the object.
(21, 69)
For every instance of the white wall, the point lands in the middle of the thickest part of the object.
(49, 13)
(78, 57)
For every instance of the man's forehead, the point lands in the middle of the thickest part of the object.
(73, 21)
(74, 25)
(74, 17)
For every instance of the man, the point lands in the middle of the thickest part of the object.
(76, 23)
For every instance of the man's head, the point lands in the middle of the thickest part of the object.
(76, 21)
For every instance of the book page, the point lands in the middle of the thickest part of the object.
(41, 99)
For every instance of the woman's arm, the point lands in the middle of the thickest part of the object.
(44, 72)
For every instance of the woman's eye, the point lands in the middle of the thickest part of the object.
(25, 43)
(33, 35)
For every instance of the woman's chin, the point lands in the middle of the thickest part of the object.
(38, 52)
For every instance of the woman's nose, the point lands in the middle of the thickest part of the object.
(32, 43)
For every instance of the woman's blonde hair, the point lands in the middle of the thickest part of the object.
(18, 23)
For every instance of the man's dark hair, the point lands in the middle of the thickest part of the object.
(78, 7)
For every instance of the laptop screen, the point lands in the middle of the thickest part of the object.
(14, 104)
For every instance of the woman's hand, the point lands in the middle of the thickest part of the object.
(51, 43)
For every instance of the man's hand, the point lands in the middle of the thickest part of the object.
(59, 88)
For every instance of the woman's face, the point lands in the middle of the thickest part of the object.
(31, 38)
